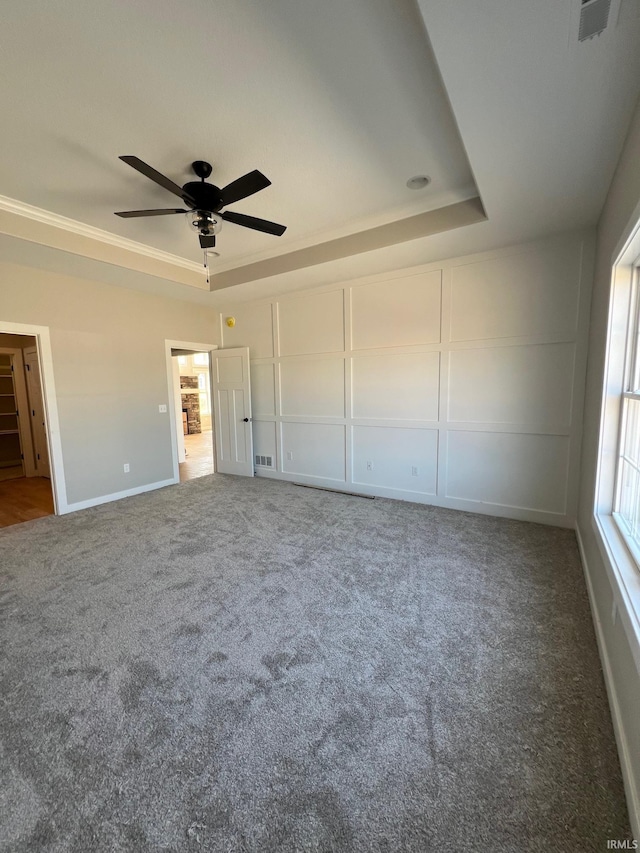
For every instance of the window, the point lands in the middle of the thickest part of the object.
(616, 517)
(203, 386)
(626, 505)
(201, 358)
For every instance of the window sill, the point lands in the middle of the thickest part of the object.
(624, 576)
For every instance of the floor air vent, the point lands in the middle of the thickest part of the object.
(264, 461)
(594, 16)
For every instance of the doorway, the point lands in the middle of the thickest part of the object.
(25, 476)
(194, 415)
(229, 409)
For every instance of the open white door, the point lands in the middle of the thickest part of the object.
(231, 387)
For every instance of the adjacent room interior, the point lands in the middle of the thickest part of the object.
(319, 434)
(25, 479)
(194, 433)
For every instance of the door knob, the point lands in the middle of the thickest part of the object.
(246, 420)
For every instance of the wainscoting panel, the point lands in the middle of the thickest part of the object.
(510, 469)
(263, 389)
(312, 387)
(314, 450)
(513, 385)
(312, 323)
(396, 386)
(459, 383)
(396, 458)
(379, 315)
(521, 294)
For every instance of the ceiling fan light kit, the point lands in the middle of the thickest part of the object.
(205, 201)
(206, 225)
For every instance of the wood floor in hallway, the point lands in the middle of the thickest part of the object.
(24, 499)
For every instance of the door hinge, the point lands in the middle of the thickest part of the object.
(28, 366)
(33, 413)
(38, 455)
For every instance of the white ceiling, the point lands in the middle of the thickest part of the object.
(338, 103)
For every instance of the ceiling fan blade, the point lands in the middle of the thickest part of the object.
(207, 241)
(128, 214)
(255, 223)
(154, 175)
(245, 186)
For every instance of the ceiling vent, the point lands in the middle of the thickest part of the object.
(594, 17)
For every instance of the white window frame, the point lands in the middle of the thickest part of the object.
(621, 560)
(630, 392)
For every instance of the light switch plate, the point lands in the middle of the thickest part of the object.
(162, 408)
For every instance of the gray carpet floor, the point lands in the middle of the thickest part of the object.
(246, 665)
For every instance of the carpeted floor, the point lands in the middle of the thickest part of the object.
(245, 665)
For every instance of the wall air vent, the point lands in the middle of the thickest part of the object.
(264, 461)
(594, 17)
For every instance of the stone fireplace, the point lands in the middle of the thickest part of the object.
(191, 403)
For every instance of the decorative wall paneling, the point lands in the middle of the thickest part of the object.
(458, 384)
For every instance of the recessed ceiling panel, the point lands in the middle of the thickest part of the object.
(338, 104)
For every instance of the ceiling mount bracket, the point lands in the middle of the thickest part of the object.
(202, 169)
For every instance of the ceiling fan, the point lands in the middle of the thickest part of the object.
(205, 201)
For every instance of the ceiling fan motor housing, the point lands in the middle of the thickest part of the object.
(206, 196)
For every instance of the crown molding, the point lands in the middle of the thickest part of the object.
(55, 220)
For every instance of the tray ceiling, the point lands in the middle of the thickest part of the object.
(338, 103)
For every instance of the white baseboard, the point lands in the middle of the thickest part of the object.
(500, 510)
(116, 496)
(626, 759)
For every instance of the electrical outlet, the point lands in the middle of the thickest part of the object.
(369, 466)
(162, 408)
(414, 471)
(126, 468)
(289, 456)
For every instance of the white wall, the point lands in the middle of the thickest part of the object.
(619, 645)
(457, 384)
(109, 363)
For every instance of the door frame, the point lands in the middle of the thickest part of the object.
(49, 399)
(198, 347)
